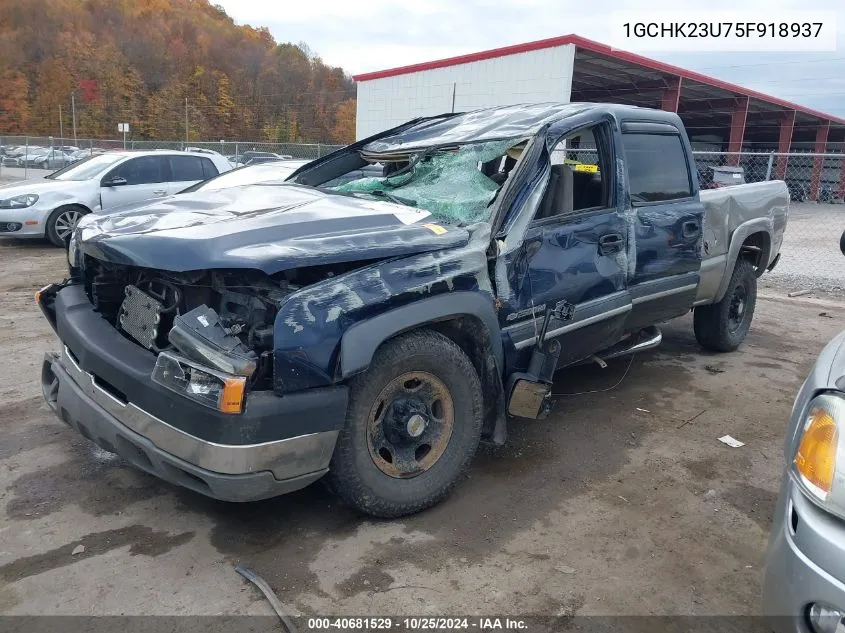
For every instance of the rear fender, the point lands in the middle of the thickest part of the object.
(739, 236)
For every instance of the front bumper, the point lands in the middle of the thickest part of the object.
(227, 472)
(805, 562)
(100, 385)
(21, 217)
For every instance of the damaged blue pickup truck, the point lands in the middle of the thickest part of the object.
(245, 342)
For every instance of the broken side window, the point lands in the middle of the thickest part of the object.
(456, 185)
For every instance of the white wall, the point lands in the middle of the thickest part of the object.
(532, 77)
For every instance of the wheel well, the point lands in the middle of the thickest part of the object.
(73, 204)
(756, 249)
(472, 336)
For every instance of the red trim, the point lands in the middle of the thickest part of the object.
(787, 124)
(466, 59)
(737, 132)
(821, 142)
(671, 96)
(602, 49)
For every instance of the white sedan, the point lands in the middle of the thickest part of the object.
(51, 206)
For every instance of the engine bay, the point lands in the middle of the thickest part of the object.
(231, 311)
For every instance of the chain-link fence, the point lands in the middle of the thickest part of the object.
(23, 157)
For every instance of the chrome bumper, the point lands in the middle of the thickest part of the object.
(230, 472)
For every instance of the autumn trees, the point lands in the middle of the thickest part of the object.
(139, 60)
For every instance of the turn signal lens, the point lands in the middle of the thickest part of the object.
(815, 460)
(233, 395)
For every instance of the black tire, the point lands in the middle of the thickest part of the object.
(58, 220)
(722, 326)
(354, 474)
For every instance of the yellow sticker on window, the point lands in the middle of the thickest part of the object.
(435, 228)
(589, 168)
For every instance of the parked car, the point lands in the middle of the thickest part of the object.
(20, 150)
(53, 159)
(34, 157)
(85, 153)
(27, 157)
(276, 171)
(804, 577)
(51, 206)
(247, 341)
(203, 150)
(252, 157)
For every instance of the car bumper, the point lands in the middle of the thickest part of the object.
(225, 472)
(27, 222)
(99, 384)
(805, 562)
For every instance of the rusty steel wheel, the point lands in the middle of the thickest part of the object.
(410, 424)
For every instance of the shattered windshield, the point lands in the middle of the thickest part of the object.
(456, 185)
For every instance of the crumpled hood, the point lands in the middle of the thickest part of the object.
(264, 227)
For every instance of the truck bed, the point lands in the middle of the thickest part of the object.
(732, 214)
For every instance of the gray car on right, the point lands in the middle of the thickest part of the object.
(804, 578)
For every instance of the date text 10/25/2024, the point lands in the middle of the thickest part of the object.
(428, 623)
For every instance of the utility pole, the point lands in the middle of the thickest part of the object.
(61, 133)
(186, 122)
(73, 112)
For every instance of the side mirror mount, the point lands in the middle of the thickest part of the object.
(117, 181)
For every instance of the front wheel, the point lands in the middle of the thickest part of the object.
(412, 427)
(62, 222)
(722, 326)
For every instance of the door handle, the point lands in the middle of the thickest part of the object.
(160, 192)
(691, 228)
(611, 243)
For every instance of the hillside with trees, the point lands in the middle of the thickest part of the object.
(139, 60)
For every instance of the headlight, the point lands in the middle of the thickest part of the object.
(211, 388)
(819, 464)
(73, 249)
(19, 202)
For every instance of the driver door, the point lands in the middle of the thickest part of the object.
(135, 180)
(573, 252)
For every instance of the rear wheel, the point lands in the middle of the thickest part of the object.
(62, 222)
(412, 428)
(722, 326)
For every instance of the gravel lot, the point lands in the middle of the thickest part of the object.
(623, 502)
(811, 259)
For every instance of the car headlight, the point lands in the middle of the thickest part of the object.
(819, 463)
(19, 202)
(73, 249)
(207, 386)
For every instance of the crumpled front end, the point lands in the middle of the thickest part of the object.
(185, 393)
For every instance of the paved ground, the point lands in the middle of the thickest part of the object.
(623, 502)
(810, 258)
(13, 174)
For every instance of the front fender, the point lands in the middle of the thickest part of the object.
(312, 322)
(361, 341)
